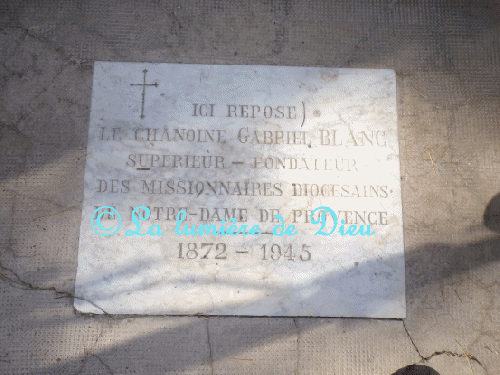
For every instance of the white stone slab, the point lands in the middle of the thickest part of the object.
(265, 140)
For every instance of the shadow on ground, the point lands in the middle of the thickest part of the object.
(416, 370)
(428, 265)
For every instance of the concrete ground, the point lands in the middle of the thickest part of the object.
(447, 58)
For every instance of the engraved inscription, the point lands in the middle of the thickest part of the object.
(144, 84)
(244, 190)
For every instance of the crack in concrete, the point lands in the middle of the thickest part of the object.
(58, 72)
(469, 357)
(66, 61)
(91, 350)
(18, 283)
(18, 44)
(86, 359)
(84, 362)
(452, 354)
(23, 285)
(90, 353)
(27, 286)
(412, 342)
(298, 346)
(57, 213)
(40, 199)
(60, 51)
(14, 128)
(103, 363)
(210, 349)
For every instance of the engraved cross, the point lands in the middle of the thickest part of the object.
(144, 84)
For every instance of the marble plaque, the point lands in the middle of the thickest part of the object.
(257, 190)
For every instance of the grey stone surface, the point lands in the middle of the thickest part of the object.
(446, 58)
